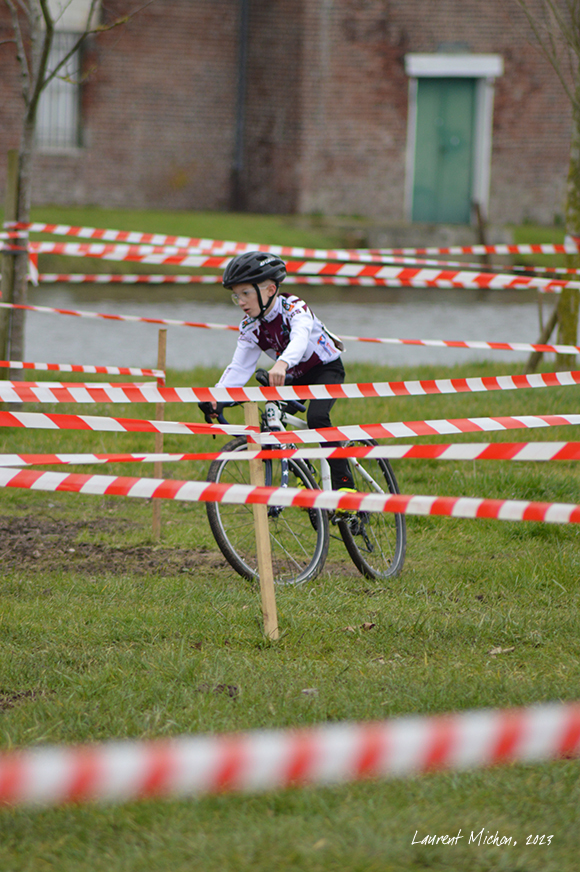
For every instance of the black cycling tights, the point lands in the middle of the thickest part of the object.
(318, 414)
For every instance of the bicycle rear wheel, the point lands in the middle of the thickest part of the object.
(376, 541)
(298, 537)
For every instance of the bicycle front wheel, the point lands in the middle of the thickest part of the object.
(298, 537)
(376, 541)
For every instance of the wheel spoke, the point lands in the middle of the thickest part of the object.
(298, 545)
(385, 533)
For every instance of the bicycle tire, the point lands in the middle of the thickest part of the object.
(375, 541)
(299, 538)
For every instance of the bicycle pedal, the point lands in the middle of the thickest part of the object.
(356, 523)
(343, 514)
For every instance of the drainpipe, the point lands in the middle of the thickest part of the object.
(237, 203)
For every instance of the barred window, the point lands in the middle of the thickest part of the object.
(58, 119)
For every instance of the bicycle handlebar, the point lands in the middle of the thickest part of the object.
(292, 405)
(262, 378)
(211, 415)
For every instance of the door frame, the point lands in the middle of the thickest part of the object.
(484, 68)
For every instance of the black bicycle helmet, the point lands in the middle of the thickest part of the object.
(252, 268)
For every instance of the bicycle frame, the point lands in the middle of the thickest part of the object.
(375, 544)
(276, 419)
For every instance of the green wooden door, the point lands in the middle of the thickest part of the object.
(442, 185)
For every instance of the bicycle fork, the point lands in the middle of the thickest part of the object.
(274, 422)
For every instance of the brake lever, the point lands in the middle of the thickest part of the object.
(211, 419)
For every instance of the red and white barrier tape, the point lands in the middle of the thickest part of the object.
(126, 279)
(159, 279)
(119, 771)
(225, 252)
(472, 343)
(402, 429)
(211, 492)
(412, 276)
(89, 386)
(318, 281)
(134, 318)
(103, 424)
(208, 325)
(344, 256)
(78, 367)
(394, 430)
(526, 451)
(349, 256)
(38, 392)
(570, 246)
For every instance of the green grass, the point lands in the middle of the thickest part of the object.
(534, 234)
(307, 231)
(104, 653)
(240, 227)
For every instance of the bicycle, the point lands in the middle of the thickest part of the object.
(300, 538)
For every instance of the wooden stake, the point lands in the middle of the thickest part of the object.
(159, 416)
(544, 338)
(262, 537)
(481, 231)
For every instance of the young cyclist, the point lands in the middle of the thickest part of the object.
(284, 328)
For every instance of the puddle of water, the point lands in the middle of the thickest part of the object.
(406, 313)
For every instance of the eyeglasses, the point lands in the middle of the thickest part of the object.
(243, 297)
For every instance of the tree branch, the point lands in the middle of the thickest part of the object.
(74, 48)
(20, 53)
(34, 76)
(570, 30)
(550, 50)
(557, 13)
(24, 8)
(43, 61)
(101, 28)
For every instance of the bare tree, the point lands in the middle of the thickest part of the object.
(33, 29)
(556, 27)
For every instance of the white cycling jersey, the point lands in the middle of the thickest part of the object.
(289, 332)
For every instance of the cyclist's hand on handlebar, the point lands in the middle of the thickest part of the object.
(277, 374)
(211, 410)
(263, 378)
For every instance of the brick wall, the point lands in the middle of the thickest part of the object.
(158, 112)
(356, 93)
(274, 115)
(355, 96)
(325, 113)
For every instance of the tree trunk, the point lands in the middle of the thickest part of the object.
(569, 298)
(10, 212)
(20, 292)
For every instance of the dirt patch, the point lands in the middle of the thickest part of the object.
(41, 545)
(231, 689)
(10, 698)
